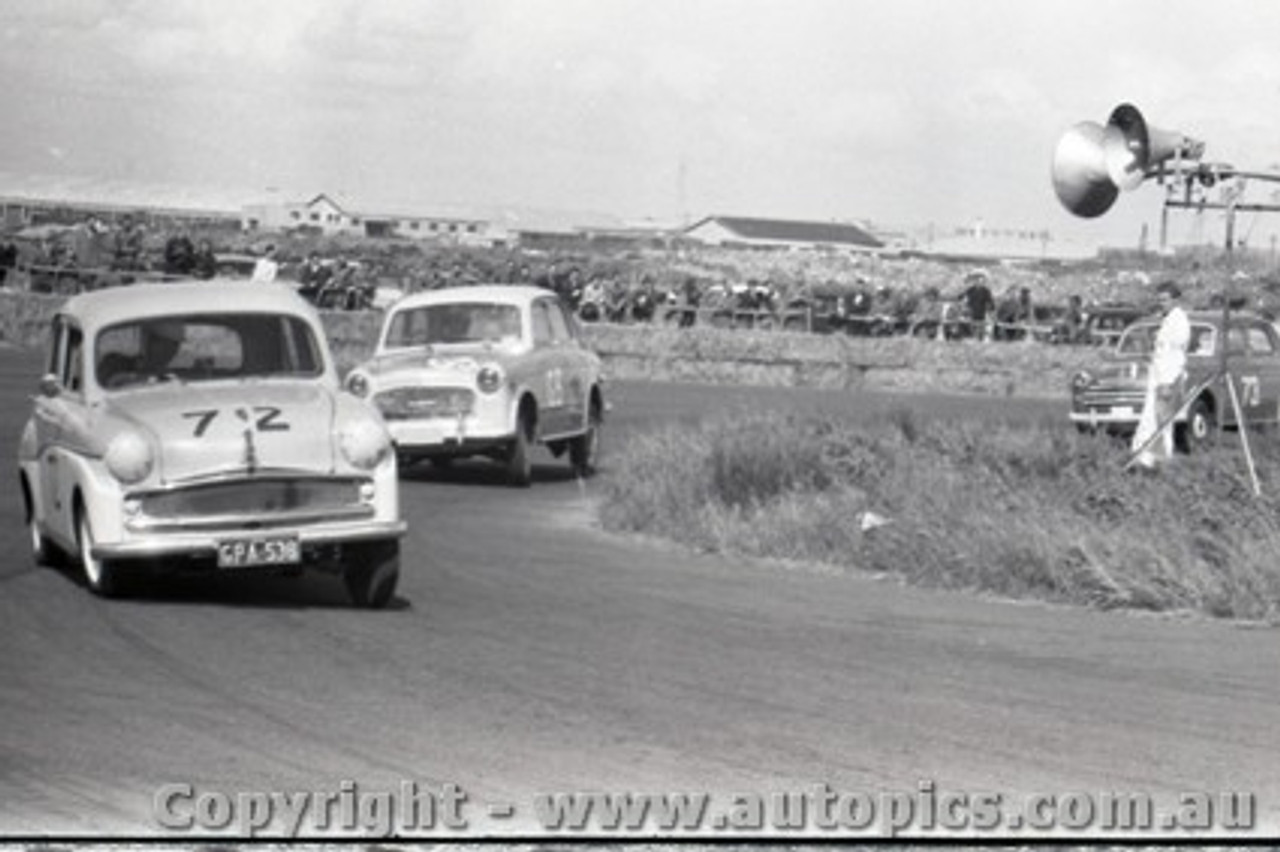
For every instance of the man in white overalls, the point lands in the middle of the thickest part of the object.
(1165, 379)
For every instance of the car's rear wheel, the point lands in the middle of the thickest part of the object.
(519, 465)
(372, 573)
(584, 450)
(102, 576)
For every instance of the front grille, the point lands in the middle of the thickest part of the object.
(261, 498)
(422, 403)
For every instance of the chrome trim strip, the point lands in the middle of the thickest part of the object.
(242, 475)
(237, 521)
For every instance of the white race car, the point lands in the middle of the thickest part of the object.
(202, 426)
(485, 370)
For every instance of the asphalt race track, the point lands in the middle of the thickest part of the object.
(530, 653)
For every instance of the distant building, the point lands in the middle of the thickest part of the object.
(978, 242)
(38, 199)
(745, 232)
(325, 215)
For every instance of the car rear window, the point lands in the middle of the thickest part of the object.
(458, 322)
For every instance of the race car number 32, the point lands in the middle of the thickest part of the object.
(243, 553)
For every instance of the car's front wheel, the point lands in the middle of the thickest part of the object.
(584, 450)
(519, 465)
(102, 576)
(41, 548)
(372, 573)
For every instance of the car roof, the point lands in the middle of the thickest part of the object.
(100, 308)
(1207, 316)
(505, 294)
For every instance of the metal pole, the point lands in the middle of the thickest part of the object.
(1244, 436)
(1226, 313)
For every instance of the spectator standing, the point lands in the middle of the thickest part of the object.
(204, 264)
(179, 255)
(691, 291)
(267, 267)
(980, 304)
(1026, 313)
(8, 261)
(1073, 322)
(128, 244)
(312, 277)
(1166, 376)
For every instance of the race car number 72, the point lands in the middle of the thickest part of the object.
(265, 418)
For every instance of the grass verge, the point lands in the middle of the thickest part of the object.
(1022, 512)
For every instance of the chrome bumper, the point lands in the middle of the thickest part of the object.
(206, 544)
(1108, 418)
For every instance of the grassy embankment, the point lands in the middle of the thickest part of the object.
(1021, 512)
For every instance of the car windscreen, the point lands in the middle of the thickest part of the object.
(1139, 339)
(205, 347)
(456, 322)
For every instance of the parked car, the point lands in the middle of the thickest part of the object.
(1111, 396)
(1104, 323)
(202, 427)
(487, 370)
(234, 264)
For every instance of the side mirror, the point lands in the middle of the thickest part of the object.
(49, 386)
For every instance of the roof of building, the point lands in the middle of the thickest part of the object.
(793, 231)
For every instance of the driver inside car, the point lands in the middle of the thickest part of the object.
(160, 342)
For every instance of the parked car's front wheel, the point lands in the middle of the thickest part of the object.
(372, 573)
(102, 576)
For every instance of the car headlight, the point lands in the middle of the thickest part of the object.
(364, 443)
(129, 457)
(358, 384)
(1081, 380)
(489, 378)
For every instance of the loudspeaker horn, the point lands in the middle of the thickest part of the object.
(1133, 147)
(1080, 176)
(1093, 163)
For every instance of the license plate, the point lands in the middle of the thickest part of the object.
(247, 552)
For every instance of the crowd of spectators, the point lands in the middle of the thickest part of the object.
(683, 284)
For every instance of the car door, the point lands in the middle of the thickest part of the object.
(576, 366)
(1258, 382)
(550, 338)
(61, 426)
(546, 377)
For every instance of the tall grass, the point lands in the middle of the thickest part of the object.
(1027, 512)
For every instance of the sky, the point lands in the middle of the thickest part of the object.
(904, 113)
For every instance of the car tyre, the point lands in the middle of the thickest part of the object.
(41, 547)
(1201, 429)
(372, 574)
(519, 466)
(102, 576)
(584, 450)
